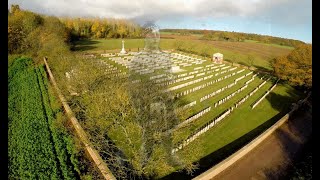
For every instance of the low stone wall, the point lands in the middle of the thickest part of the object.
(95, 157)
(209, 174)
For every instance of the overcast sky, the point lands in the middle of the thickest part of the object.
(282, 18)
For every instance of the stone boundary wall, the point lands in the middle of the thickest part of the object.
(215, 170)
(95, 157)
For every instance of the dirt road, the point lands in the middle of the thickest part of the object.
(273, 155)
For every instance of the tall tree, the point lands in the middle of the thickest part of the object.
(296, 68)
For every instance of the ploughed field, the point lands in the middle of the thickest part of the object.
(212, 102)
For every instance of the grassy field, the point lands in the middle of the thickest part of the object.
(233, 51)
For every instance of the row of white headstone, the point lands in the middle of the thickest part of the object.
(119, 74)
(240, 71)
(225, 67)
(250, 80)
(238, 79)
(260, 99)
(223, 100)
(141, 62)
(202, 69)
(188, 105)
(250, 94)
(201, 72)
(105, 64)
(182, 75)
(205, 85)
(210, 124)
(197, 68)
(157, 76)
(201, 131)
(178, 76)
(232, 69)
(210, 65)
(219, 90)
(146, 60)
(146, 71)
(111, 70)
(222, 72)
(216, 92)
(170, 80)
(185, 84)
(195, 116)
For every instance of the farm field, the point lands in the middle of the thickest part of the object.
(237, 52)
(275, 45)
(39, 148)
(234, 130)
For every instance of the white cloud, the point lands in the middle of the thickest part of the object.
(288, 12)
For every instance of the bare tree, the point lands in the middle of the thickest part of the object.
(129, 123)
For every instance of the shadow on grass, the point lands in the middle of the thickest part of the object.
(260, 68)
(84, 45)
(242, 63)
(83, 48)
(279, 102)
(86, 42)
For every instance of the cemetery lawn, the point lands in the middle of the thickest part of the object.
(233, 51)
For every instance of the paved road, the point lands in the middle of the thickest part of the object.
(272, 156)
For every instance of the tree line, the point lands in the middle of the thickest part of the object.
(102, 28)
(236, 36)
(35, 34)
(296, 67)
